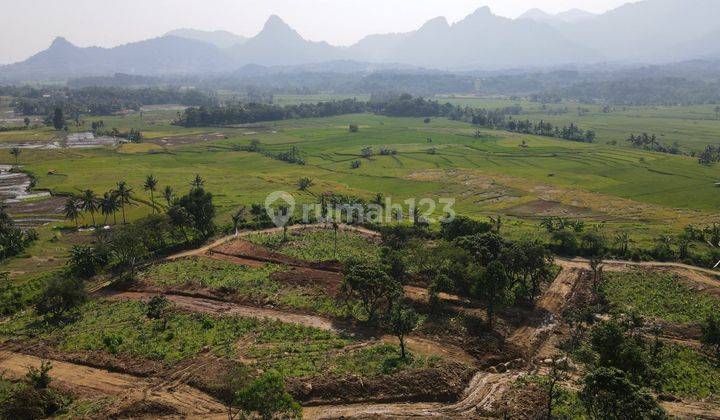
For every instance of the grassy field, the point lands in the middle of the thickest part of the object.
(693, 127)
(623, 189)
(319, 245)
(251, 284)
(123, 327)
(658, 295)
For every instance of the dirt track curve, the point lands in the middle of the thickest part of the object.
(86, 380)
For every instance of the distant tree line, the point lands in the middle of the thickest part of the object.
(650, 142)
(98, 100)
(668, 91)
(205, 116)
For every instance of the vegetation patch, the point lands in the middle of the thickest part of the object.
(320, 245)
(657, 295)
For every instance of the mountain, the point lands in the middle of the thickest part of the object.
(279, 44)
(570, 16)
(220, 39)
(168, 55)
(634, 31)
(481, 40)
(644, 32)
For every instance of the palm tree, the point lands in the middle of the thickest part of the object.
(90, 203)
(72, 211)
(197, 182)
(15, 151)
(123, 193)
(151, 185)
(623, 242)
(169, 195)
(238, 217)
(109, 205)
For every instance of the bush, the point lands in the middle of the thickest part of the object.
(62, 294)
(267, 397)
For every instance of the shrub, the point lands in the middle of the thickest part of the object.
(267, 397)
(62, 294)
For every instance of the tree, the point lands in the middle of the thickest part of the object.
(157, 307)
(267, 397)
(26, 121)
(126, 248)
(169, 195)
(403, 320)
(596, 267)
(238, 218)
(711, 334)
(84, 260)
(61, 295)
(58, 119)
(199, 204)
(369, 284)
(151, 186)
(15, 151)
(304, 183)
(622, 241)
(123, 194)
(490, 285)
(72, 210)
(90, 203)
(197, 182)
(109, 205)
(353, 128)
(608, 393)
(557, 374)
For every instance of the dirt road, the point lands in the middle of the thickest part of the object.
(187, 401)
(217, 307)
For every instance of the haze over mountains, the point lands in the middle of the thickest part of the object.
(649, 31)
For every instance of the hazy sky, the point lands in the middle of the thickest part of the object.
(28, 26)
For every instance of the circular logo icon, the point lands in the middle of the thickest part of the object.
(280, 206)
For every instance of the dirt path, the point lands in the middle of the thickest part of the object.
(217, 307)
(89, 381)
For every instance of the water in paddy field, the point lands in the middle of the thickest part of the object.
(14, 186)
(73, 141)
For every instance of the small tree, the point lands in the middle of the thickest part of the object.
(369, 284)
(169, 195)
(157, 306)
(26, 121)
(238, 218)
(711, 334)
(84, 260)
(596, 267)
(58, 119)
(556, 375)
(151, 186)
(61, 295)
(353, 128)
(90, 203)
(197, 182)
(39, 377)
(403, 320)
(15, 151)
(491, 286)
(608, 393)
(304, 183)
(267, 397)
(72, 210)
